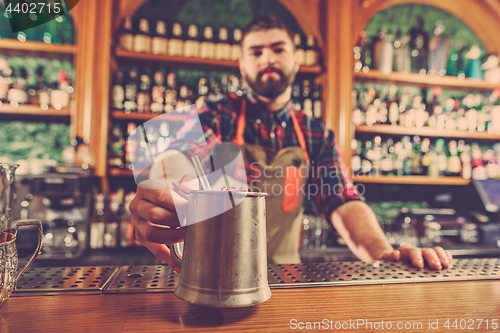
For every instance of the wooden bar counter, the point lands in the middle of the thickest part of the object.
(431, 303)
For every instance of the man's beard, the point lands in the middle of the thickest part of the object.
(272, 88)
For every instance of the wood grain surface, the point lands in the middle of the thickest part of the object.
(163, 312)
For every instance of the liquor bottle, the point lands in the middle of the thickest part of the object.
(425, 159)
(191, 44)
(5, 78)
(116, 152)
(142, 40)
(126, 226)
(59, 98)
(317, 102)
(393, 107)
(207, 46)
(130, 104)
(474, 69)
(455, 65)
(296, 97)
(222, 47)
(202, 93)
(299, 49)
(158, 93)
(234, 85)
(214, 92)
(159, 40)
(442, 160)
(97, 225)
(144, 94)
(466, 160)
(419, 44)
(366, 159)
(383, 52)
(402, 59)
(312, 51)
(17, 93)
(171, 93)
(164, 137)
(439, 48)
(386, 160)
(175, 44)
(307, 98)
(125, 36)
(118, 92)
(454, 167)
(236, 52)
(130, 147)
(365, 51)
(112, 222)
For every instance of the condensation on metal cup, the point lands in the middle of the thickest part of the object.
(224, 258)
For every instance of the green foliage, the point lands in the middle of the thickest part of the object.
(404, 17)
(21, 140)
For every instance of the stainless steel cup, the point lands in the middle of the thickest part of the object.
(9, 259)
(224, 258)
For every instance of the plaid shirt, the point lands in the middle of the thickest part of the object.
(275, 130)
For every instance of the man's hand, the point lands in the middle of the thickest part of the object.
(157, 209)
(436, 257)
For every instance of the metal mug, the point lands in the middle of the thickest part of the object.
(9, 259)
(224, 257)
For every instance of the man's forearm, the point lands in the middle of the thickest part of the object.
(357, 225)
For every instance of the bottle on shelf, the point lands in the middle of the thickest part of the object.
(130, 104)
(42, 89)
(296, 97)
(207, 46)
(17, 93)
(159, 40)
(383, 52)
(112, 222)
(158, 93)
(236, 52)
(142, 39)
(454, 167)
(455, 65)
(176, 43)
(307, 98)
(116, 151)
(118, 92)
(164, 137)
(171, 95)
(419, 45)
(5, 78)
(131, 146)
(59, 98)
(97, 224)
(126, 36)
(439, 48)
(312, 51)
(222, 48)
(202, 92)
(126, 226)
(317, 102)
(144, 93)
(402, 58)
(192, 43)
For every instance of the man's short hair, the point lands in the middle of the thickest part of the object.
(266, 22)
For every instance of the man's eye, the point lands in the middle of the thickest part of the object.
(278, 50)
(257, 53)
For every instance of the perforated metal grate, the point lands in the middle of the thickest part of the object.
(54, 280)
(161, 278)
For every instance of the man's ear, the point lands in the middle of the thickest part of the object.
(241, 65)
(297, 62)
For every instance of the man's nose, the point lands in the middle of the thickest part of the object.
(268, 57)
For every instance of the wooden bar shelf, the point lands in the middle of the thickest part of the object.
(426, 132)
(33, 110)
(173, 116)
(13, 47)
(449, 82)
(410, 180)
(197, 63)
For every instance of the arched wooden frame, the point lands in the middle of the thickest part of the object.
(482, 16)
(306, 12)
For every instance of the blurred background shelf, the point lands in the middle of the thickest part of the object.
(450, 82)
(13, 47)
(426, 132)
(410, 180)
(198, 63)
(31, 112)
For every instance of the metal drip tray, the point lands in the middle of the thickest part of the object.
(139, 279)
(54, 280)
(144, 279)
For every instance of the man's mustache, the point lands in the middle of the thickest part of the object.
(270, 69)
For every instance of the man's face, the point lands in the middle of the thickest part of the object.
(269, 64)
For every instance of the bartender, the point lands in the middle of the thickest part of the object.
(270, 133)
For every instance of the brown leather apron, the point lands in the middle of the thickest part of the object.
(282, 174)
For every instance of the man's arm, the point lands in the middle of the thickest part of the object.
(357, 225)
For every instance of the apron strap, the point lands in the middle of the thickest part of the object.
(300, 136)
(240, 129)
